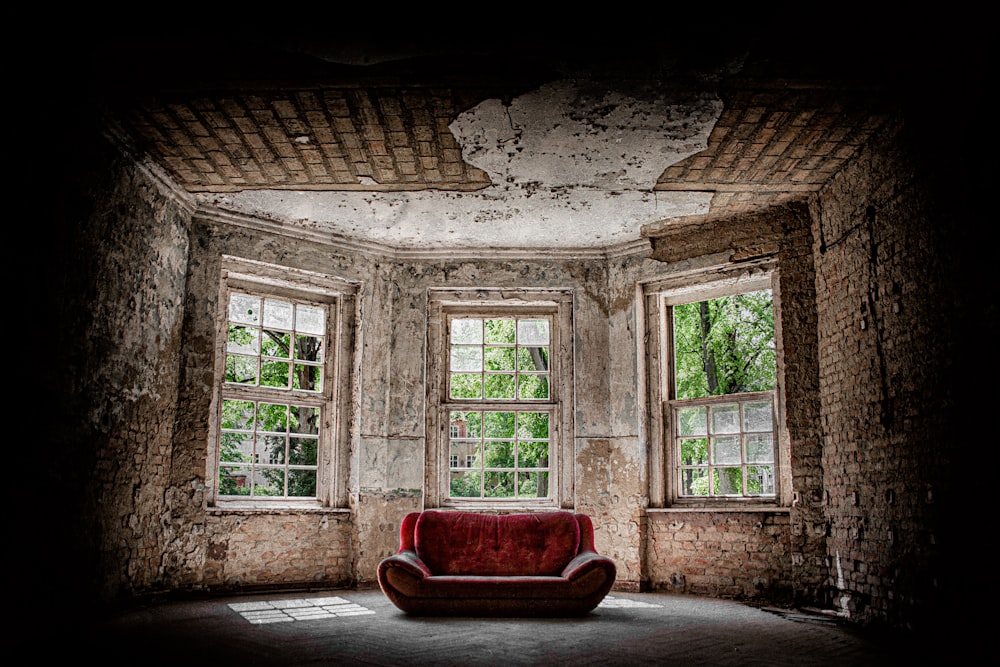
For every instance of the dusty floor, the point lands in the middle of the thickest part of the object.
(361, 627)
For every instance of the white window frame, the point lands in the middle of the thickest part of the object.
(336, 399)
(556, 304)
(658, 298)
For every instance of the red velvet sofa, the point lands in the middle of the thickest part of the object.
(455, 563)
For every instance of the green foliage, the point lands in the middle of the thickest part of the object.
(725, 345)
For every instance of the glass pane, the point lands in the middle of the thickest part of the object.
(694, 482)
(304, 419)
(694, 451)
(757, 416)
(533, 425)
(272, 417)
(269, 482)
(275, 344)
(691, 421)
(278, 314)
(307, 378)
(302, 483)
(240, 369)
(467, 331)
(310, 320)
(237, 414)
(760, 448)
(466, 358)
(533, 332)
(532, 386)
(302, 451)
(499, 331)
(533, 485)
(498, 485)
(462, 450)
(308, 348)
(533, 455)
(532, 358)
(727, 481)
(275, 374)
(500, 386)
(466, 386)
(499, 359)
(234, 481)
(760, 480)
(465, 485)
(498, 424)
(499, 454)
(725, 418)
(466, 424)
(272, 449)
(235, 448)
(243, 340)
(244, 309)
(726, 449)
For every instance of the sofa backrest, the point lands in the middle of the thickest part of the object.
(463, 543)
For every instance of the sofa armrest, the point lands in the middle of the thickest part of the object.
(409, 561)
(587, 561)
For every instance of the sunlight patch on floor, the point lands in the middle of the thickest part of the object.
(619, 603)
(300, 609)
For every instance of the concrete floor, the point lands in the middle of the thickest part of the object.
(361, 627)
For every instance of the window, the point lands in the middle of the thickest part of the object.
(279, 410)
(717, 383)
(499, 375)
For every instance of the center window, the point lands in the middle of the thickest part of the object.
(503, 367)
(496, 362)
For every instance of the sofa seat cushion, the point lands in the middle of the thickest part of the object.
(497, 588)
(527, 545)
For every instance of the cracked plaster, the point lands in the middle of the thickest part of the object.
(572, 165)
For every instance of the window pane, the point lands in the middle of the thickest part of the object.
(272, 417)
(275, 344)
(694, 482)
(760, 480)
(465, 485)
(272, 449)
(244, 309)
(533, 484)
(234, 481)
(499, 331)
(757, 416)
(533, 425)
(532, 358)
(727, 481)
(302, 483)
(307, 378)
(694, 451)
(532, 386)
(304, 419)
(461, 450)
(498, 424)
(235, 448)
(500, 386)
(467, 331)
(725, 418)
(241, 370)
(237, 414)
(466, 358)
(243, 340)
(499, 359)
(466, 424)
(533, 455)
(533, 332)
(310, 320)
(760, 448)
(499, 485)
(275, 374)
(726, 449)
(466, 386)
(302, 451)
(270, 482)
(278, 314)
(308, 348)
(691, 421)
(499, 454)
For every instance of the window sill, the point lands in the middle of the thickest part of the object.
(733, 507)
(272, 507)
